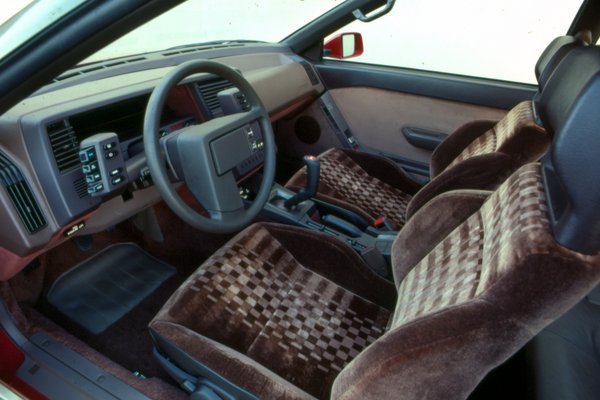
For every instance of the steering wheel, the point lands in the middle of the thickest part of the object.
(205, 156)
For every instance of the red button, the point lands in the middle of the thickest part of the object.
(379, 221)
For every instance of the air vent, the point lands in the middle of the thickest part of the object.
(20, 194)
(80, 186)
(209, 92)
(65, 145)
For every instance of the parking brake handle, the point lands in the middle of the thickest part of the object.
(313, 169)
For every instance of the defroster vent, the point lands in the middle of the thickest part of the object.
(65, 145)
(21, 196)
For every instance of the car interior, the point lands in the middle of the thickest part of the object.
(227, 221)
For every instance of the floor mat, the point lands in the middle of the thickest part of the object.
(99, 291)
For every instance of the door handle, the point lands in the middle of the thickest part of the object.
(423, 138)
(358, 14)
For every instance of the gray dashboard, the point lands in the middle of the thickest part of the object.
(40, 137)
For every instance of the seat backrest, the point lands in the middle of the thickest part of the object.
(469, 301)
(552, 55)
(482, 154)
(569, 109)
(470, 141)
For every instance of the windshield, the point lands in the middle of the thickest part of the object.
(23, 19)
(201, 21)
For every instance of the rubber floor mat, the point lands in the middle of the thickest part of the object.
(102, 289)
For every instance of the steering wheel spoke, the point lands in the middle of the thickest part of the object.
(225, 198)
(205, 156)
(248, 117)
(230, 216)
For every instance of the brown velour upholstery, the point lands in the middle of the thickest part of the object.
(478, 155)
(476, 298)
(266, 299)
(516, 134)
(282, 323)
(369, 185)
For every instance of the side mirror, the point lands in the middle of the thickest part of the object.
(345, 45)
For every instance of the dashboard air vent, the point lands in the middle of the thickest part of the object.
(209, 91)
(20, 195)
(81, 187)
(65, 145)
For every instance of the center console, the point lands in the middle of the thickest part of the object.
(302, 209)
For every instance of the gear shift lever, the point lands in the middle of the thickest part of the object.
(313, 168)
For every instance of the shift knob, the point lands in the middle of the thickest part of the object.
(313, 170)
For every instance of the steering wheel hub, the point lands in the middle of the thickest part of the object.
(206, 156)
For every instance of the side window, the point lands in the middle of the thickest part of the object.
(497, 39)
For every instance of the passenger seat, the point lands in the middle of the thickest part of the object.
(478, 155)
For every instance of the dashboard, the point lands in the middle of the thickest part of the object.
(46, 195)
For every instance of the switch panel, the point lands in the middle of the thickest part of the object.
(102, 164)
(255, 159)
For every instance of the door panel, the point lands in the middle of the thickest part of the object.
(377, 117)
(478, 91)
(400, 113)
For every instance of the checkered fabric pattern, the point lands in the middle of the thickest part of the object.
(517, 118)
(512, 222)
(254, 297)
(322, 326)
(522, 227)
(236, 291)
(343, 179)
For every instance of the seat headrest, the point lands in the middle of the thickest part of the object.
(569, 110)
(553, 55)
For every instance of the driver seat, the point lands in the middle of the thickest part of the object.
(281, 312)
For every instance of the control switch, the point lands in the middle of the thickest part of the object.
(102, 163)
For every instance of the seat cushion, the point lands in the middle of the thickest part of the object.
(370, 185)
(473, 300)
(256, 299)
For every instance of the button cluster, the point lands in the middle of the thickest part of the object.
(242, 101)
(93, 177)
(255, 141)
(257, 145)
(102, 164)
